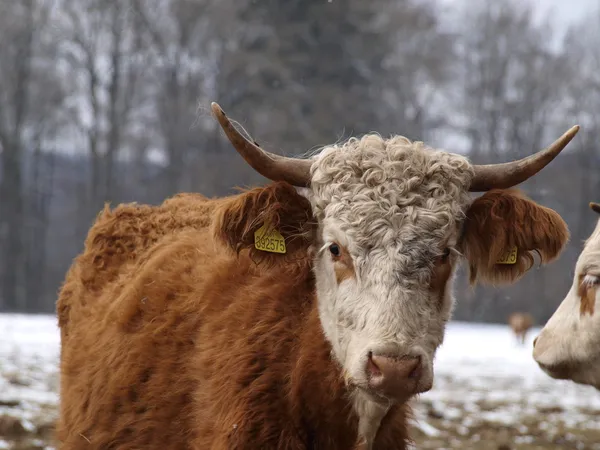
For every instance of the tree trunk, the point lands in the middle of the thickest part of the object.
(12, 216)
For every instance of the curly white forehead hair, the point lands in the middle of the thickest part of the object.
(391, 195)
(390, 183)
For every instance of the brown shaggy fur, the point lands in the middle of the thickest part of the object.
(117, 239)
(280, 207)
(520, 323)
(502, 219)
(171, 341)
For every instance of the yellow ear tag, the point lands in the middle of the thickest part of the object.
(269, 240)
(510, 257)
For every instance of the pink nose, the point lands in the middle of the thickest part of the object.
(394, 377)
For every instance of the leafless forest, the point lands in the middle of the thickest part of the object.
(108, 101)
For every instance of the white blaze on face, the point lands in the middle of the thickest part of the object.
(389, 214)
(568, 346)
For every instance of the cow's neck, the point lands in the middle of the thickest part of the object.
(318, 387)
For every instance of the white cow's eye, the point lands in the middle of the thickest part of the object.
(591, 280)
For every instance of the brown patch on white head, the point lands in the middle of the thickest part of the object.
(587, 294)
(441, 274)
(342, 262)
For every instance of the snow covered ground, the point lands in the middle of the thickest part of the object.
(488, 388)
(488, 392)
(29, 353)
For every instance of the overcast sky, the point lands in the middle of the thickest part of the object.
(562, 13)
(567, 11)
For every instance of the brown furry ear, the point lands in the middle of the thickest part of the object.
(279, 206)
(501, 220)
(595, 207)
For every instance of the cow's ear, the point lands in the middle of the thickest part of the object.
(595, 207)
(275, 210)
(502, 232)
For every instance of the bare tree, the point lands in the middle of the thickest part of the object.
(37, 203)
(187, 39)
(415, 82)
(583, 62)
(30, 97)
(510, 76)
(101, 47)
(108, 101)
(511, 80)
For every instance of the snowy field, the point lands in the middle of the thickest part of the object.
(488, 393)
(29, 352)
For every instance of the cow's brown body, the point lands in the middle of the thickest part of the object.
(174, 342)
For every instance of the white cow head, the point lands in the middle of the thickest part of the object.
(569, 345)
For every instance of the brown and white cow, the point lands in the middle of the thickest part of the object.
(520, 323)
(568, 346)
(300, 315)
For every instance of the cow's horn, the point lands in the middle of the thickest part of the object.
(274, 167)
(502, 176)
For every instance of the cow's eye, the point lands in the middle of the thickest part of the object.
(335, 250)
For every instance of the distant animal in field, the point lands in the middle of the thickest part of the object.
(303, 314)
(568, 347)
(520, 323)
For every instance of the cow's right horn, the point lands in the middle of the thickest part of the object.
(274, 167)
(503, 176)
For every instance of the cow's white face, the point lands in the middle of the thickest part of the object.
(568, 346)
(389, 214)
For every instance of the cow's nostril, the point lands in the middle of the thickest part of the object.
(535, 341)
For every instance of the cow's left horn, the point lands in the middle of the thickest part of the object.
(275, 167)
(503, 176)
